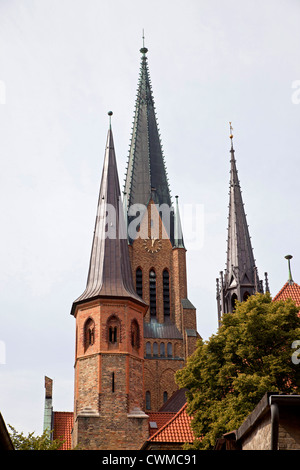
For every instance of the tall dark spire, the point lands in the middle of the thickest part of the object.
(109, 271)
(146, 176)
(241, 277)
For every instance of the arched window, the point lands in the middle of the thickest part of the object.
(113, 331)
(139, 282)
(169, 350)
(245, 296)
(148, 401)
(162, 350)
(155, 349)
(233, 300)
(152, 288)
(135, 334)
(165, 397)
(166, 293)
(89, 333)
(148, 349)
(113, 334)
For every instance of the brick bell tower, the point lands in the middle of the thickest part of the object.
(157, 252)
(109, 359)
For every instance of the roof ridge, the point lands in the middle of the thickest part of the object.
(286, 286)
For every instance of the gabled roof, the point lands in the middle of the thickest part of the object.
(177, 430)
(289, 291)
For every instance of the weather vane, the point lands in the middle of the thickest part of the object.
(231, 130)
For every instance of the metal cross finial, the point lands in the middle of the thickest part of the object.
(144, 49)
(290, 280)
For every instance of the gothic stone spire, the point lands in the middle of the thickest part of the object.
(241, 277)
(146, 176)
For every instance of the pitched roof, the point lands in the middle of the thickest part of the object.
(157, 419)
(62, 428)
(110, 271)
(177, 430)
(290, 290)
(175, 402)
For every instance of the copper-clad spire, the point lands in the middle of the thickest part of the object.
(109, 272)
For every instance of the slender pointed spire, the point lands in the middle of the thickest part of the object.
(241, 277)
(109, 271)
(146, 176)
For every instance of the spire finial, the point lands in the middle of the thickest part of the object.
(290, 280)
(231, 134)
(144, 49)
(110, 113)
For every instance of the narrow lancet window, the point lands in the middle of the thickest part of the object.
(139, 282)
(152, 288)
(89, 333)
(148, 401)
(166, 294)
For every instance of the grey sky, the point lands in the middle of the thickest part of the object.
(64, 64)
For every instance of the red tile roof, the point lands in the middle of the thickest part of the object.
(289, 291)
(160, 419)
(178, 429)
(63, 424)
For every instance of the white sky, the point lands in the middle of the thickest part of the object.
(63, 65)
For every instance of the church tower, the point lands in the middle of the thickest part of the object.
(240, 279)
(157, 252)
(109, 358)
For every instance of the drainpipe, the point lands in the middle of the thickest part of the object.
(274, 423)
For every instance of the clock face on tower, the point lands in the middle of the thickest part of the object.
(152, 245)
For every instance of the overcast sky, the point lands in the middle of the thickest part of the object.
(63, 65)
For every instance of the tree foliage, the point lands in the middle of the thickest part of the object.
(250, 355)
(32, 442)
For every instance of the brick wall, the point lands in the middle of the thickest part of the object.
(109, 377)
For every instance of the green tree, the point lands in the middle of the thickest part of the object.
(32, 442)
(249, 355)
